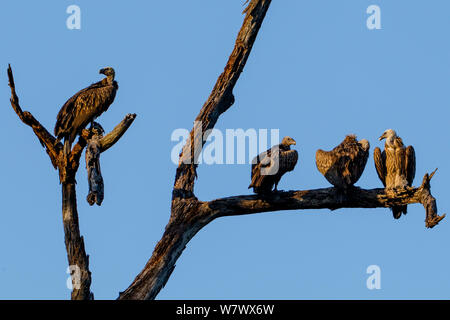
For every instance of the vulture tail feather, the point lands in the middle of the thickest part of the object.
(398, 210)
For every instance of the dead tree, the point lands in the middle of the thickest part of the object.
(67, 167)
(189, 215)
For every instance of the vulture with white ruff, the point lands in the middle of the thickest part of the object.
(396, 165)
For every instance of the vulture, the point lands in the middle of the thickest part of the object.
(344, 165)
(269, 166)
(396, 165)
(84, 107)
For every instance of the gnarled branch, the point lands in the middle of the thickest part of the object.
(184, 203)
(327, 198)
(97, 144)
(67, 167)
(220, 99)
(111, 138)
(45, 138)
(189, 215)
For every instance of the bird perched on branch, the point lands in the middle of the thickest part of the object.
(396, 165)
(344, 165)
(84, 107)
(269, 166)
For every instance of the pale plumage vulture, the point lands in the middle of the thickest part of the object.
(344, 165)
(269, 166)
(84, 107)
(396, 165)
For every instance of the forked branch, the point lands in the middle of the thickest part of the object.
(68, 167)
(96, 145)
(189, 215)
(45, 138)
(184, 203)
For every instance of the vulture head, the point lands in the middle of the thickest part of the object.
(287, 141)
(108, 71)
(389, 135)
(364, 144)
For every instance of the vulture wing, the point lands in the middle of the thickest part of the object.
(410, 165)
(288, 160)
(263, 160)
(68, 111)
(380, 164)
(83, 108)
(358, 160)
(324, 161)
(344, 165)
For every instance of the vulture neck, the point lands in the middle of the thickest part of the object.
(285, 147)
(109, 80)
(393, 142)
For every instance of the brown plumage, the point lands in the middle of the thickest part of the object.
(269, 166)
(396, 165)
(344, 165)
(84, 107)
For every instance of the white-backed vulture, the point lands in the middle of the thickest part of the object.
(84, 107)
(396, 165)
(269, 166)
(344, 165)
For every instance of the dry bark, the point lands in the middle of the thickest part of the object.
(189, 215)
(67, 167)
(94, 172)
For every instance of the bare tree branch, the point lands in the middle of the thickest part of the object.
(95, 146)
(67, 167)
(189, 215)
(111, 138)
(182, 225)
(106, 142)
(221, 97)
(94, 172)
(45, 138)
(327, 198)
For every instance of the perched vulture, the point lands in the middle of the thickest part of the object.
(269, 166)
(84, 107)
(396, 165)
(344, 165)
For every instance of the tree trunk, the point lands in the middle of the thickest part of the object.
(77, 258)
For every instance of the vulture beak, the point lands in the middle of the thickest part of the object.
(102, 71)
(383, 136)
(293, 142)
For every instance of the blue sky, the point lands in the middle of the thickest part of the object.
(316, 73)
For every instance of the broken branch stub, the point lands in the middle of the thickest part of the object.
(94, 173)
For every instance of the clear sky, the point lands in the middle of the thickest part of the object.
(316, 73)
